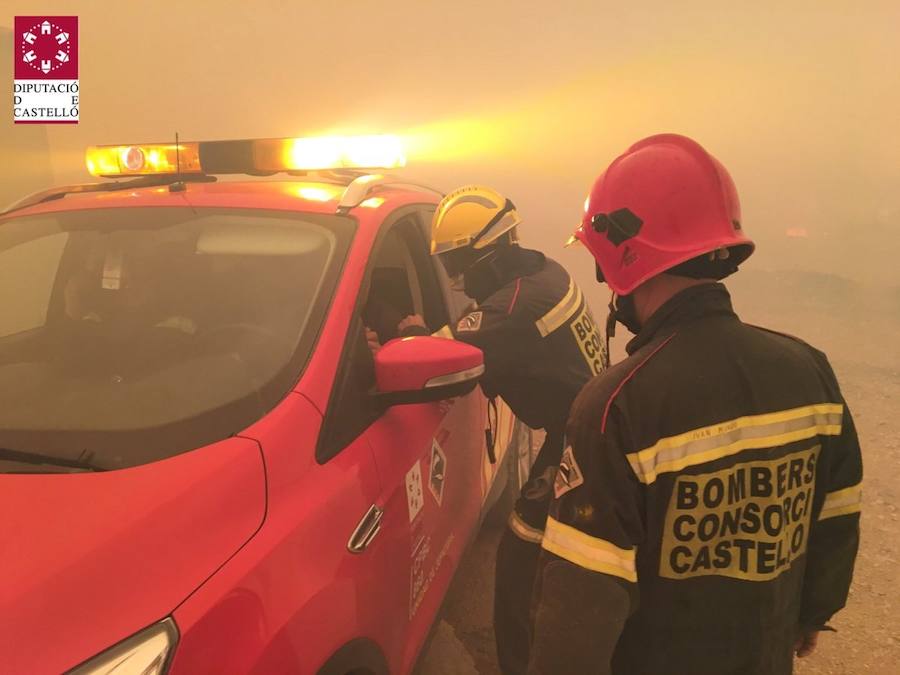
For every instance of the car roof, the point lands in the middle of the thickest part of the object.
(322, 196)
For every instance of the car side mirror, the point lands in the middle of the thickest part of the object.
(425, 369)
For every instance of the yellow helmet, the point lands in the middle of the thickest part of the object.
(474, 216)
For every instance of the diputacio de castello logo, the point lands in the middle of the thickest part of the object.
(45, 58)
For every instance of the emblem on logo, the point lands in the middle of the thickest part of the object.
(470, 322)
(51, 52)
(569, 475)
(629, 257)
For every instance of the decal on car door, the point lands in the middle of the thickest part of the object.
(414, 491)
(425, 565)
(438, 471)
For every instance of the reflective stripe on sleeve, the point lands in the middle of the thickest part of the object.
(589, 552)
(729, 438)
(443, 332)
(523, 530)
(563, 311)
(842, 502)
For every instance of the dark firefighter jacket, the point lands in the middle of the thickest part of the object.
(707, 508)
(540, 341)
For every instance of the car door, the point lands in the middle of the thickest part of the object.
(427, 456)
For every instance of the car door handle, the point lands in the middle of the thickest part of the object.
(365, 532)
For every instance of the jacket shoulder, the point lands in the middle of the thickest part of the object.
(598, 397)
(547, 289)
(531, 294)
(798, 344)
(786, 336)
(554, 275)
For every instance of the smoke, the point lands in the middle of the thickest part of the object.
(799, 100)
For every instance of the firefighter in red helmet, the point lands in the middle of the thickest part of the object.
(706, 511)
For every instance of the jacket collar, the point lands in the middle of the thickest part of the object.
(692, 303)
(510, 264)
(518, 262)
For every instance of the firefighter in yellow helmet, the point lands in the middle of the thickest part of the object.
(541, 345)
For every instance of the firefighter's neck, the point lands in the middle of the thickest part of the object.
(655, 292)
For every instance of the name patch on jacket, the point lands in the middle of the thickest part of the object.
(589, 341)
(749, 521)
(470, 322)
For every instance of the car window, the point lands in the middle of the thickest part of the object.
(394, 289)
(434, 301)
(27, 274)
(456, 301)
(401, 280)
(135, 334)
(351, 408)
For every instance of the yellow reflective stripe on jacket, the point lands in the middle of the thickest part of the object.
(729, 438)
(523, 530)
(443, 332)
(588, 552)
(842, 502)
(562, 312)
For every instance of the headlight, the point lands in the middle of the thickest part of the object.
(146, 653)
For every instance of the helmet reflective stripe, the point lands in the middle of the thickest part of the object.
(477, 199)
(437, 249)
(504, 221)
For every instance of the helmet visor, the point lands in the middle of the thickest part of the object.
(458, 260)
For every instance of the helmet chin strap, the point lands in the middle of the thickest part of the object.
(611, 320)
(621, 310)
(482, 277)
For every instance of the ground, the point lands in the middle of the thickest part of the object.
(861, 341)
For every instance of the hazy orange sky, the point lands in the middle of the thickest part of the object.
(800, 100)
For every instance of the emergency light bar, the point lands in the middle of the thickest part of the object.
(143, 160)
(258, 156)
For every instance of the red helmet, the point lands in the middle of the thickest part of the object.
(663, 202)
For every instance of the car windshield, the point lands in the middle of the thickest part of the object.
(129, 335)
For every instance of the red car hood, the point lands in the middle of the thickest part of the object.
(88, 559)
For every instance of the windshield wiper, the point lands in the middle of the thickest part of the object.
(29, 457)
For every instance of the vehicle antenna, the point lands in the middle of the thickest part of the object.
(179, 185)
